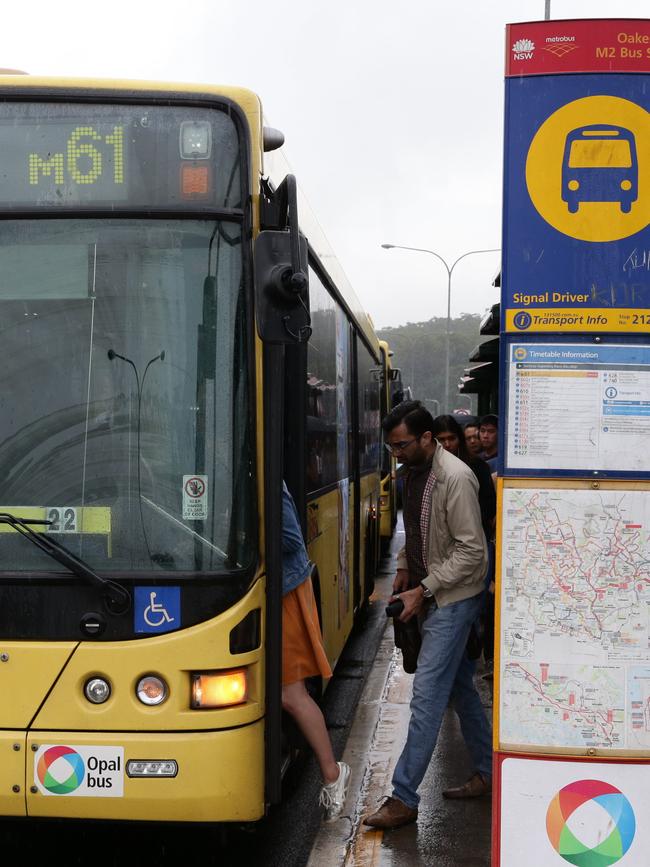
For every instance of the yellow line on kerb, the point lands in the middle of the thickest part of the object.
(366, 851)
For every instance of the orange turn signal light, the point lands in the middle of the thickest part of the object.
(195, 181)
(212, 689)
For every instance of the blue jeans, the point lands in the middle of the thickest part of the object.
(444, 672)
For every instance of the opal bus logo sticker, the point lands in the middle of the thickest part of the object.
(614, 828)
(91, 772)
(523, 49)
(60, 770)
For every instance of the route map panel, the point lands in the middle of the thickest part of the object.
(575, 618)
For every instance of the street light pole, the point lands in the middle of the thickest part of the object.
(437, 403)
(449, 273)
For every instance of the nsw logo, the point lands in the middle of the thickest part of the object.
(523, 49)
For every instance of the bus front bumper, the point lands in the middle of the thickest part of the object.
(219, 775)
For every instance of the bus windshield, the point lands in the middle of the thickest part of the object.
(600, 153)
(124, 393)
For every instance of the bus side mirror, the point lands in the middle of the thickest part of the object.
(281, 292)
(281, 276)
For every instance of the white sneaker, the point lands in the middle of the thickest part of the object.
(332, 796)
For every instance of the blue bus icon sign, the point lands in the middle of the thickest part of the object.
(600, 165)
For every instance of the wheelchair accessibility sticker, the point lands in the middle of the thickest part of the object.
(157, 609)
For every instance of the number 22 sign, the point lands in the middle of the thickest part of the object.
(63, 519)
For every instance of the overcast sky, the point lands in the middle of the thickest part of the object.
(392, 113)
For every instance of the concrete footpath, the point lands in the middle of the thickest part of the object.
(447, 833)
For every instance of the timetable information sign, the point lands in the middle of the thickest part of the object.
(577, 407)
(575, 618)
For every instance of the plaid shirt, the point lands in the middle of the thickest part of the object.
(418, 483)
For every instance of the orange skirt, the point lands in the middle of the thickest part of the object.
(303, 654)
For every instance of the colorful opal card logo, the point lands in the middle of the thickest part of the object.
(67, 773)
(590, 823)
(81, 771)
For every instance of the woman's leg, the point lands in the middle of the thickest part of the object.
(311, 722)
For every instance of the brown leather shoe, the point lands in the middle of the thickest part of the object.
(393, 813)
(475, 787)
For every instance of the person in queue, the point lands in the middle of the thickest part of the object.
(303, 655)
(488, 431)
(473, 440)
(489, 435)
(450, 436)
(440, 578)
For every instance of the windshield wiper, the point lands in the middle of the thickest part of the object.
(116, 598)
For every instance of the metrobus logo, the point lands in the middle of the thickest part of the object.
(60, 770)
(611, 822)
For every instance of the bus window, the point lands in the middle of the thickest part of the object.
(600, 153)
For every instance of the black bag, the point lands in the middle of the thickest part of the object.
(474, 644)
(408, 639)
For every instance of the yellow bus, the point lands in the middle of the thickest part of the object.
(173, 348)
(393, 392)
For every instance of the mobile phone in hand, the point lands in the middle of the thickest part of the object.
(395, 608)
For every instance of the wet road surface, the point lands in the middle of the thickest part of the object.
(448, 833)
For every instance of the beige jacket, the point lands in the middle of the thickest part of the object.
(457, 559)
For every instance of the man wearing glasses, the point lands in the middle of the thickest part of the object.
(440, 580)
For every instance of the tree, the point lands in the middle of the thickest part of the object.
(419, 351)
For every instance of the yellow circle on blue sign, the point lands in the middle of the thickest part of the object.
(588, 169)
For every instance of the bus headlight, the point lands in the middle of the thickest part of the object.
(626, 185)
(212, 689)
(151, 690)
(97, 690)
(573, 185)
